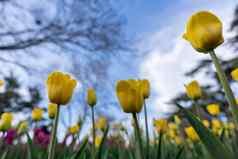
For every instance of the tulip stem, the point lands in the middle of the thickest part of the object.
(227, 89)
(94, 134)
(147, 131)
(138, 136)
(53, 135)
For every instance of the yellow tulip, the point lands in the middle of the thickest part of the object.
(161, 125)
(7, 117)
(206, 123)
(23, 126)
(213, 109)
(101, 123)
(193, 90)
(74, 129)
(234, 74)
(178, 140)
(146, 88)
(216, 124)
(37, 114)
(172, 133)
(98, 141)
(191, 133)
(52, 110)
(1, 83)
(204, 31)
(60, 87)
(130, 95)
(91, 98)
(172, 126)
(4, 126)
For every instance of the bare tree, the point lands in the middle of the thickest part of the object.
(88, 31)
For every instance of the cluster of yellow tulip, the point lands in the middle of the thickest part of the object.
(204, 32)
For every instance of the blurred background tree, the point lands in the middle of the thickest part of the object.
(81, 37)
(213, 93)
(15, 98)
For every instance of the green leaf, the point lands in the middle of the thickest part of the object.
(4, 155)
(81, 149)
(100, 150)
(179, 153)
(213, 145)
(159, 148)
(29, 146)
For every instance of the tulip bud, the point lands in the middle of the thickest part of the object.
(74, 129)
(193, 90)
(23, 126)
(37, 114)
(213, 109)
(234, 74)
(91, 98)
(60, 87)
(146, 88)
(191, 133)
(52, 110)
(204, 31)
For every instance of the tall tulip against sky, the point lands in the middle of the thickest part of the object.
(204, 32)
(60, 88)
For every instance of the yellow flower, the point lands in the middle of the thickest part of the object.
(213, 109)
(130, 95)
(204, 31)
(172, 133)
(161, 125)
(178, 140)
(177, 120)
(7, 117)
(37, 114)
(98, 141)
(172, 126)
(91, 98)
(52, 110)
(60, 87)
(23, 126)
(4, 126)
(146, 88)
(206, 123)
(191, 133)
(193, 90)
(231, 126)
(101, 123)
(216, 124)
(74, 129)
(1, 83)
(234, 74)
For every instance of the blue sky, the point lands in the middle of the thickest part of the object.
(158, 27)
(163, 56)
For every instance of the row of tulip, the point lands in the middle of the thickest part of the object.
(204, 32)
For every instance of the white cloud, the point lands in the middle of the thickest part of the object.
(171, 56)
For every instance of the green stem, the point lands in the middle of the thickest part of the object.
(53, 135)
(147, 132)
(138, 136)
(94, 134)
(197, 110)
(229, 94)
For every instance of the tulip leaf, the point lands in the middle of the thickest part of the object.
(4, 155)
(81, 149)
(99, 154)
(29, 146)
(179, 153)
(159, 148)
(213, 145)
